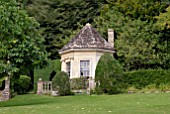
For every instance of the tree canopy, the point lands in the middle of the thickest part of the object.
(139, 42)
(141, 26)
(59, 18)
(21, 45)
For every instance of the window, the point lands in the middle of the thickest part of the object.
(68, 68)
(84, 67)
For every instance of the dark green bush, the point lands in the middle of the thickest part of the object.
(142, 78)
(78, 83)
(22, 84)
(109, 75)
(61, 83)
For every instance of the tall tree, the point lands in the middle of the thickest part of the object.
(136, 40)
(21, 45)
(163, 45)
(58, 18)
(140, 9)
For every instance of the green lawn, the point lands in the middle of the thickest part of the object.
(154, 103)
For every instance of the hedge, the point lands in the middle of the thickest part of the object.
(44, 74)
(109, 75)
(79, 83)
(142, 78)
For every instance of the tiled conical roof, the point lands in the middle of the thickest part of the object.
(87, 38)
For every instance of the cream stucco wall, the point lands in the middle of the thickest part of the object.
(74, 58)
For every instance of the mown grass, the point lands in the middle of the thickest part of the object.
(153, 103)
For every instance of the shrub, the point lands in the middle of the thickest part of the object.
(164, 87)
(78, 83)
(142, 78)
(22, 84)
(61, 83)
(109, 75)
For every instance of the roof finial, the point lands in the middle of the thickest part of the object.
(88, 24)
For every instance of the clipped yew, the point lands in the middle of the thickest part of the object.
(109, 75)
(61, 83)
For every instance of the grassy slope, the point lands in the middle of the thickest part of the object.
(157, 103)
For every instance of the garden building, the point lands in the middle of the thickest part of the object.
(80, 56)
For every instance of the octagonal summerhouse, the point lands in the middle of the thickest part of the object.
(80, 56)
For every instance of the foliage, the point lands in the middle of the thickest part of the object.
(78, 83)
(163, 45)
(139, 9)
(139, 42)
(22, 84)
(1, 81)
(142, 39)
(151, 88)
(61, 83)
(108, 75)
(142, 78)
(21, 45)
(58, 18)
(164, 19)
(46, 72)
(164, 87)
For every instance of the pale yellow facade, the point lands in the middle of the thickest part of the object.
(75, 56)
